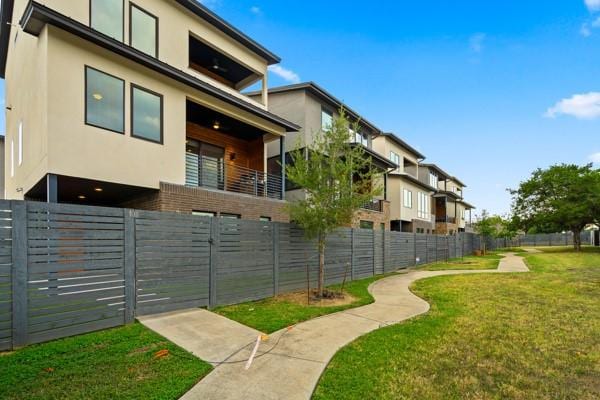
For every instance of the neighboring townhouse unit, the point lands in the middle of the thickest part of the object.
(138, 104)
(450, 207)
(410, 198)
(311, 107)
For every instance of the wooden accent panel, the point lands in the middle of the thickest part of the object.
(248, 154)
(211, 74)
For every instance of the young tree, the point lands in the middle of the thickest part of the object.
(338, 179)
(562, 197)
(487, 227)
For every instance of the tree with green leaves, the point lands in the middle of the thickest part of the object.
(564, 197)
(487, 227)
(338, 179)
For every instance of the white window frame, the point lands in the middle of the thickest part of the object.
(423, 205)
(325, 112)
(433, 179)
(395, 158)
(407, 198)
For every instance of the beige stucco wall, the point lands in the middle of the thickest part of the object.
(396, 186)
(45, 89)
(175, 25)
(384, 146)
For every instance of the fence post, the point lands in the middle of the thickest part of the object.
(352, 252)
(275, 227)
(214, 261)
(415, 248)
(383, 248)
(129, 264)
(374, 258)
(19, 273)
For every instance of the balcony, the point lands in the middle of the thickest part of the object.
(214, 173)
(447, 220)
(373, 205)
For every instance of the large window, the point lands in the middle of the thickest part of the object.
(143, 30)
(146, 114)
(106, 16)
(361, 138)
(423, 205)
(326, 119)
(407, 195)
(104, 100)
(433, 179)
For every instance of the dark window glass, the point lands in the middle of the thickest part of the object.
(146, 114)
(366, 224)
(106, 16)
(144, 31)
(104, 100)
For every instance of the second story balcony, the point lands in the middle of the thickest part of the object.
(373, 205)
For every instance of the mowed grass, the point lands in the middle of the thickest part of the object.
(275, 313)
(504, 336)
(117, 363)
(489, 261)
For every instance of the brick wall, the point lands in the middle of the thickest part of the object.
(376, 217)
(183, 199)
(444, 228)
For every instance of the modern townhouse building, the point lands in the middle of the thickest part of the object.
(313, 108)
(451, 210)
(138, 103)
(411, 200)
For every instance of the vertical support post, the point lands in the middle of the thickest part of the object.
(19, 273)
(51, 188)
(214, 260)
(352, 252)
(282, 161)
(129, 265)
(275, 230)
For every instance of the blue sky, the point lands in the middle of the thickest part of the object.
(487, 90)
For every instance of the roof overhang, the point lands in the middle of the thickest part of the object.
(378, 160)
(467, 205)
(413, 180)
(6, 12)
(437, 169)
(36, 16)
(324, 96)
(402, 143)
(203, 12)
(446, 193)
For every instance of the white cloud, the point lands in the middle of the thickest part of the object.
(476, 42)
(593, 5)
(585, 30)
(581, 106)
(284, 73)
(256, 10)
(595, 158)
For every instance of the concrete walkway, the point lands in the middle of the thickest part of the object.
(289, 363)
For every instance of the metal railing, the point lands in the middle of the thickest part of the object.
(216, 174)
(373, 205)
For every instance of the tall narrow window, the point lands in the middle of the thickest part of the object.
(104, 100)
(146, 114)
(106, 16)
(326, 120)
(395, 158)
(20, 142)
(407, 198)
(143, 30)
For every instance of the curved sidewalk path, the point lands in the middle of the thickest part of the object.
(288, 365)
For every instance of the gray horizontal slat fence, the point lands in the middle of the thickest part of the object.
(421, 249)
(379, 252)
(296, 256)
(362, 265)
(245, 261)
(172, 261)
(75, 270)
(6, 293)
(338, 256)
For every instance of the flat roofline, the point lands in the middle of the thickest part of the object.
(402, 143)
(203, 12)
(36, 16)
(414, 180)
(324, 95)
(446, 175)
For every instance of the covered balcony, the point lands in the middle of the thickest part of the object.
(225, 154)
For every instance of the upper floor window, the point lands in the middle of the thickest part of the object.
(423, 205)
(433, 179)
(361, 138)
(407, 194)
(104, 100)
(146, 114)
(143, 30)
(106, 16)
(395, 158)
(326, 119)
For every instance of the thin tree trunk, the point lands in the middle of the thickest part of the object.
(577, 239)
(321, 265)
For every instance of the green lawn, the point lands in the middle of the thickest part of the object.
(117, 363)
(489, 261)
(504, 336)
(274, 313)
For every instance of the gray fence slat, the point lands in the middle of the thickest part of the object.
(19, 262)
(214, 261)
(129, 264)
